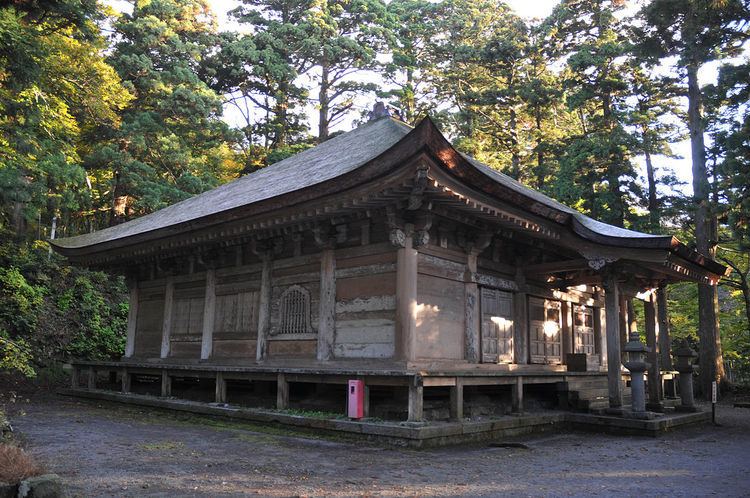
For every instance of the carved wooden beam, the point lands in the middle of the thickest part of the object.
(556, 267)
(416, 198)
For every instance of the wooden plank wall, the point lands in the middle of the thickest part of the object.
(236, 316)
(149, 319)
(187, 318)
(366, 303)
(441, 305)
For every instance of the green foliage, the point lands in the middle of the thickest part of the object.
(278, 52)
(15, 355)
(101, 324)
(50, 311)
(19, 301)
(56, 94)
(172, 142)
(414, 25)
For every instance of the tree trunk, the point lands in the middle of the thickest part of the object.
(515, 159)
(746, 297)
(323, 101)
(540, 173)
(410, 104)
(282, 107)
(653, 202)
(119, 202)
(710, 357)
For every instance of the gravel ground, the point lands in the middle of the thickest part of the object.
(112, 450)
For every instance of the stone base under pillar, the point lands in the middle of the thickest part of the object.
(686, 409)
(625, 412)
(655, 407)
(639, 415)
(617, 412)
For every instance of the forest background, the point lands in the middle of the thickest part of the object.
(109, 112)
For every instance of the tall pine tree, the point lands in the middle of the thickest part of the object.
(172, 142)
(695, 32)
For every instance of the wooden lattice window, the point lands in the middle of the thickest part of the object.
(294, 311)
(584, 330)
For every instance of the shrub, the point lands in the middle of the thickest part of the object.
(17, 465)
(15, 355)
(19, 301)
(51, 311)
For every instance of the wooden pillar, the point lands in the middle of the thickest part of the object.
(567, 330)
(327, 309)
(166, 329)
(166, 384)
(457, 400)
(518, 395)
(125, 379)
(209, 307)
(600, 342)
(472, 319)
(416, 400)
(132, 316)
(521, 319)
(654, 373)
(406, 300)
(74, 376)
(623, 319)
(612, 310)
(282, 392)
(221, 388)
(91, 381)
(665, 343)
(264, 307)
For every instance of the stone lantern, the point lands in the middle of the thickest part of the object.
(685, 367)
(635, 354)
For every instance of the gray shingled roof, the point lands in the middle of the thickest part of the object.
(332, 158)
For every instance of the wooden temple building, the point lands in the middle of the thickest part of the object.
(384, 255)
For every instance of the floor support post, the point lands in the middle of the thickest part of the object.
(166, 384)
(125, 379)
(457, 400)
(518, 395)
(92, 378)
(416, 400)
(221, 388)
(282, 392)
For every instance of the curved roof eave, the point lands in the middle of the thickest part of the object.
(587, 228)
(369, 146)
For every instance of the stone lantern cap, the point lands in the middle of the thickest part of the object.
(636, 351)
(685, 357)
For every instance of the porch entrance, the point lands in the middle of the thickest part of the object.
(497, 326)
(544, 331)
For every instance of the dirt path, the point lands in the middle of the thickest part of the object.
(111, 450)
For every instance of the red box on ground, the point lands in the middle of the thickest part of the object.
(356, 399)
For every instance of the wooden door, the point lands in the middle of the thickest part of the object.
(583, 326)
(545, 336)
(497, 326)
